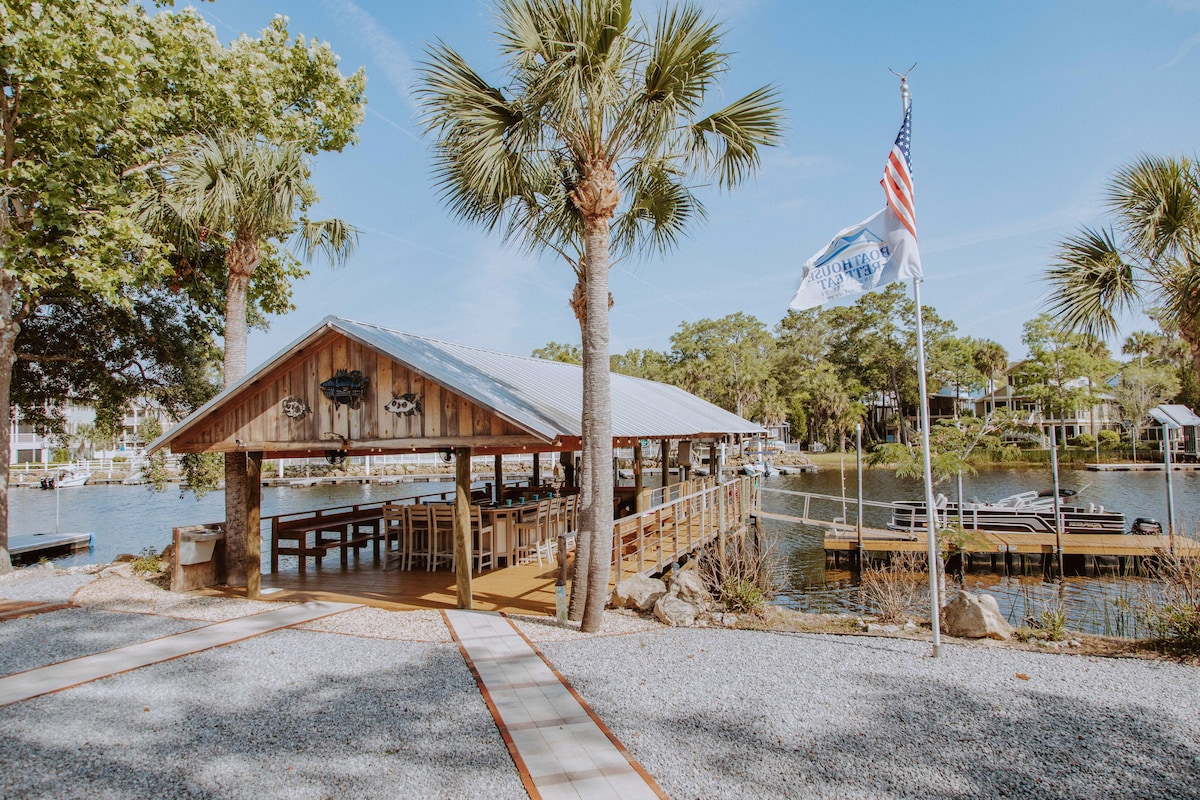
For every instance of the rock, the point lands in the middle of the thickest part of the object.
(975, 616)
(688, 587)
(1074, 643)
(731, 620)
(874, 627)
(638, 592)
(672, 611)
(910, 627)
(123, 558)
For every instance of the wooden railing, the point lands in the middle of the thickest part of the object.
(652, 540)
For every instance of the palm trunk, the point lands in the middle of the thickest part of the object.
(596, 198)
(9, 328)
(242, 259)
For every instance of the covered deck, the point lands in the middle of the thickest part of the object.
(351, 389)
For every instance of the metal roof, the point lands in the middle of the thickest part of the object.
(543, 397)
(1175, 416)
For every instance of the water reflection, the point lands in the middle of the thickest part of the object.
(1096, 603)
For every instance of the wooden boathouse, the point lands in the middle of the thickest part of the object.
(348, 389)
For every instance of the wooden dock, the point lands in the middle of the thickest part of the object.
(1140, 467)
(28, 547)
(841, 538)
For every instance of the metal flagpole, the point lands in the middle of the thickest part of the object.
(935, 610)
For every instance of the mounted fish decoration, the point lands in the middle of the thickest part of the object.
(346, 388)
(295, 407)
(404, 405)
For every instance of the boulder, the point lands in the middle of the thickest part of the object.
(672, 611)
(688, 587)
(975, 616)
(638, 592)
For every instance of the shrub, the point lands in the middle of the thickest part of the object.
(898, 589)
(148, 562)
(1173, 614)
(745, 579)
(1082, 440)
(1109, 438)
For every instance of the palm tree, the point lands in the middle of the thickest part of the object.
(1149, 256)
(1141, 344)
(245, 192)
(586, 153)
(990, 359)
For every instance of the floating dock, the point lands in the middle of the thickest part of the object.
(1140, 467)
(28, 547)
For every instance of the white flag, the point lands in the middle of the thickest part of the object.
(860, 258)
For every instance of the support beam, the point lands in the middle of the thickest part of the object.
(536, 480)
(638, 485)
(499, 470)
(463, 535)
(253, 525)
(665, 449)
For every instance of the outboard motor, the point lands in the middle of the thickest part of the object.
(1146, 526)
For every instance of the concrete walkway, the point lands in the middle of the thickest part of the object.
(65, 674)
(561, 748)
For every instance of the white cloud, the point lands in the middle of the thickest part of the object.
(388, 53)
(1184, 49)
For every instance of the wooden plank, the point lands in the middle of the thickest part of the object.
(383, 424)
(462, 526)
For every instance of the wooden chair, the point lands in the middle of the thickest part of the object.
(483, 541)
(531, 530)
(570, 518)
(441, 536)
(394, 528)
(416, 534)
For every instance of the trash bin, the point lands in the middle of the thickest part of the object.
(196, 547)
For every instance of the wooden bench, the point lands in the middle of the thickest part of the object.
(343, 531)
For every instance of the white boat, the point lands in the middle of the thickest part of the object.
(66, 479)
(1025, 512)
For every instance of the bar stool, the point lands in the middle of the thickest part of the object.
(441, 536)
(394, 528)
(483, 541)
(416, 534)
(532, 529)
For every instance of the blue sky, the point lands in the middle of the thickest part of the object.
(1021, 113)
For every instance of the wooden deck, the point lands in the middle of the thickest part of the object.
(523, 589)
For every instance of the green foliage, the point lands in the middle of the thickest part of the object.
(1084, 439)
(202, 473)
(951, 446)
(648, 364)
(741, 596)
(1172, 613)
(149, 562)
(726, 361)
(1053, 623)
(557, 351)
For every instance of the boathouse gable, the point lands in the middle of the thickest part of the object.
(385, 405)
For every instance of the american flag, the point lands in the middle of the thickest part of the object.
(897, 177)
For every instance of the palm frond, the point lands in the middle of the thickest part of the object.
(728, 141)
(1091, 283)
(1157, 205)
(660, 210)
(333, 238)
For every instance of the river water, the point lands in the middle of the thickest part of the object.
(126, 519)
(1088, 601)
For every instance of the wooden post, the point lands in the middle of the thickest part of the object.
(499, 468)
(536, 480)
(638, 484)
(665, 449)
(253, 527)
(463, 535)
(713, 469)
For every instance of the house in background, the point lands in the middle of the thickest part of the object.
(1014, 393)
(27, 446)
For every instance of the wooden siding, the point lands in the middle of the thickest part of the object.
(254, 417)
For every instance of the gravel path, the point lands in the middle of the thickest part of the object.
(291, 714)
(734, 714)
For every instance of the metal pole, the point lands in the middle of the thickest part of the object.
(858, 442)
(1057, 515)
(1170, 491)
(931, 512)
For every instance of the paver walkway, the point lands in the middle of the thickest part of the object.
(65, 674)
(561, 748)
